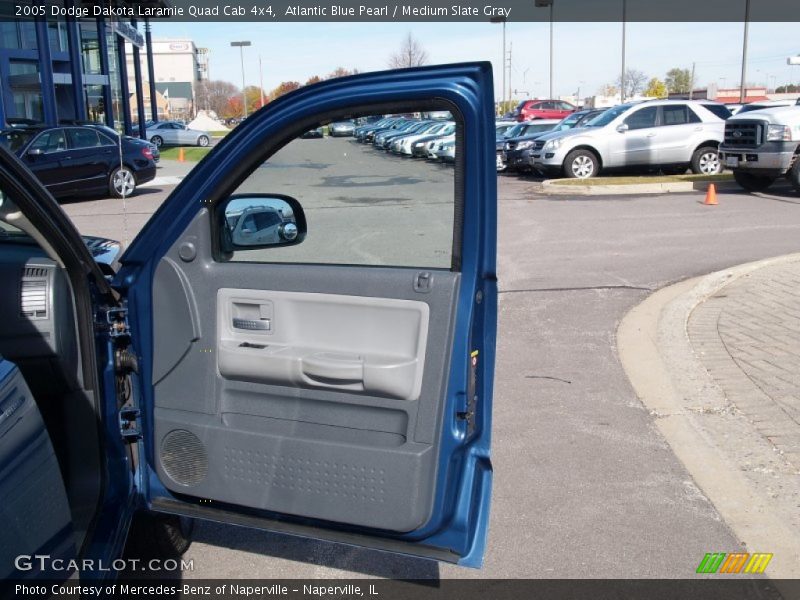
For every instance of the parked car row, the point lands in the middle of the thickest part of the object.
(432, 139)
(669, 135)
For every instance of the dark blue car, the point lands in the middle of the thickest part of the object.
(350, 403)
(80, 160)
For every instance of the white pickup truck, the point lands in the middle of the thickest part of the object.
(761, 146)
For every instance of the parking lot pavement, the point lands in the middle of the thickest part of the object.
(585, 486)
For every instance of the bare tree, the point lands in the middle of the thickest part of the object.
(214, 95)
(411, 54)
(635, 82)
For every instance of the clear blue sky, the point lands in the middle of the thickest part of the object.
(587, 55)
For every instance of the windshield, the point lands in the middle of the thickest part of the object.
(752, 107)
(606, 117)
(569, 122)
(515, 130)
(15, 139)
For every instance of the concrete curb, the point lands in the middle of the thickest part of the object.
(657, 356)
(549, 187)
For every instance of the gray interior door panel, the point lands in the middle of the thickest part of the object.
(313, 391)
(310, 340)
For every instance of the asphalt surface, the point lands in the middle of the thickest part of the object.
(585, 486)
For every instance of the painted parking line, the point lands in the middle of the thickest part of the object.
(162, 181)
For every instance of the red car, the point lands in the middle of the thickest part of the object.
(543, 109)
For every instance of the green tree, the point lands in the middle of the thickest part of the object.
(656, 89)
(679, 81)
(787, 89)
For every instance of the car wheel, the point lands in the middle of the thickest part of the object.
(159, 536)
(581, 164)
(122, 182)
(794, 174)
(705, 161)
(202, 141)
(752, 183)
(157, 141)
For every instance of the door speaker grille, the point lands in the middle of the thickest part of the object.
(183, 457)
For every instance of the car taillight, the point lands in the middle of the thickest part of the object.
(148, 153)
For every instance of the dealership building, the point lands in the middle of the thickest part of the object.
(180, 66)
(58, 70)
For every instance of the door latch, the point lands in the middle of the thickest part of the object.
(128, 427)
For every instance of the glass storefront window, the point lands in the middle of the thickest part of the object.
(25, 90)
(57, 30)
(19, 34)
(90, 48)
(114, 80)
(95, 103)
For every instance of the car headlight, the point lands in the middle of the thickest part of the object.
(553, 144)
(524, 145)
(779, 133)
(419, 144)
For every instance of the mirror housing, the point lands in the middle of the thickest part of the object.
(622, 127)
(258, 221)
(35, 152)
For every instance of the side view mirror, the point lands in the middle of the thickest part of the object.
(251, 221)
(622, 127)
(35, 152)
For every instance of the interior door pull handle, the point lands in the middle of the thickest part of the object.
(252, 324)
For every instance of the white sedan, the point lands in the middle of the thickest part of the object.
(172, 133)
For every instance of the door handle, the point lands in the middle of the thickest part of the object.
(651, 135)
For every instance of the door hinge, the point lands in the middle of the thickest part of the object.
(128, 428)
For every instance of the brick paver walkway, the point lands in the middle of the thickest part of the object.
(748, 337)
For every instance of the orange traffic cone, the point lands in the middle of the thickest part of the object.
(711, 195)
(182, 158)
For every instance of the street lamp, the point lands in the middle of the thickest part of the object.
(548, 4)
(743, 82)
(503, 62)
(622, 74)
(241, 46)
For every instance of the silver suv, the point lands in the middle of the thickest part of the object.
(671, 134)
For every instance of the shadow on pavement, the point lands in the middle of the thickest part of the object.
(324, 554)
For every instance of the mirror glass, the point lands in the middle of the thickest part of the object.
(260, 221)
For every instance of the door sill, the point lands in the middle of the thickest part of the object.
(166, 505)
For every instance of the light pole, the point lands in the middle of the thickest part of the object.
(743, 82)
(548, 4)
(241, 46)
(622, 75)
(503, 63)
